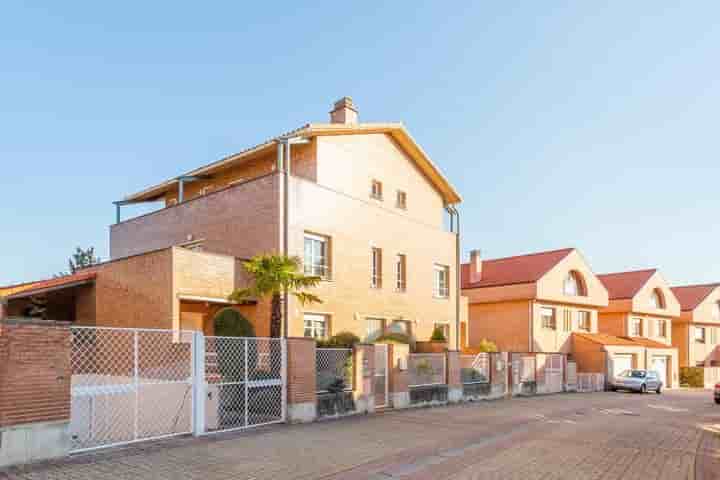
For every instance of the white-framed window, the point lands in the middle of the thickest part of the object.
(376, 267)
(374, 328)
(699, 334)
(316, 258)
(636, 327)
(400, 272)
(547, 317)
(401, 200)
(206, 189)
(656, 300)
(584, 320)
(661, 328)
(713, 335)
(567, 320)
(441, 285)
(376, 190)
(316, 325)
(573, 285)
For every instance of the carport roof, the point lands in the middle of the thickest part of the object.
(605, 339)
(35, 288)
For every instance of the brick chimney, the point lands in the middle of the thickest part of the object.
(475, 266)
(344, 112)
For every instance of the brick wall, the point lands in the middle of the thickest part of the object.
(241, 221)
(34, 372)
(301, 370)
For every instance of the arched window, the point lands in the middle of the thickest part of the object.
(657, 300)
(574, 285)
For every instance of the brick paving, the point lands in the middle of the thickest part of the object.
(576, 436)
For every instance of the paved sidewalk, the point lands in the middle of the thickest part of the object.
(604, 435)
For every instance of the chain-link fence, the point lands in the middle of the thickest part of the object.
(334, 367)
(475, 368)
(129, 385)
(426, 369)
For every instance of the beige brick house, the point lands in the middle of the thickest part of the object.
(638, 324)
(696, 334)
(533, 302)
(361, 203)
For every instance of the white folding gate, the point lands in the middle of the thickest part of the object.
(381, 375)
(131, 385)
(554, 373)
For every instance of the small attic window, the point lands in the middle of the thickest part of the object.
(657, 301)
(574, 285)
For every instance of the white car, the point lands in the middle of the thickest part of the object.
(638, 380)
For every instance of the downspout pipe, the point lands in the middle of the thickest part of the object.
(455, 224)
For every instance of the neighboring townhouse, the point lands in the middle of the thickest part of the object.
(533, 302)
(361, 203)
(696, 334)
(635, 328)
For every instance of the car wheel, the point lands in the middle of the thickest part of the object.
(659, 390)
(643, 388)
(717, 400)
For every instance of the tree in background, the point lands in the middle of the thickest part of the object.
(270, 276)
(82, 258)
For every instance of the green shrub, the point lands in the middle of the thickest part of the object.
(487, 346)
(339, 340)
(393, 337)
(231, 323)
(438, 335)
(692, 377)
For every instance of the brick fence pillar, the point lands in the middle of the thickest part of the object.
(364, 375)
(301, 380)
(35, 376)
(454, 382)
(399, 378)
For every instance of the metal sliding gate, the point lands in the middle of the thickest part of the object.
(132, 385)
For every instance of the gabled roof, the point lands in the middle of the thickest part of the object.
(691, 296)
(625, 285)
(396, 130)
(34, 288)
(520, 269)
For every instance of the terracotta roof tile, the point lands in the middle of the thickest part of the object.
(514, 270)
(624, 285)
(646, 342)
(690, 296)
(605, 339)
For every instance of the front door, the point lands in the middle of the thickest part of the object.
(659, 364)
(381, 375)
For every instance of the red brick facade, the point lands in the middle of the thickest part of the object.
(301, 370)
(34, 372)
(241, 220)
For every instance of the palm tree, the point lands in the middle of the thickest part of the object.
(273, 275)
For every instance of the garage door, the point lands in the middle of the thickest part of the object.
(620, 363)
(660, 366)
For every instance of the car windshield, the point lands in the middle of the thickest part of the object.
(633, 373)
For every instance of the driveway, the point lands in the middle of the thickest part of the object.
(599, 435)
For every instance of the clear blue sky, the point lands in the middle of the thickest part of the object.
(587, 124)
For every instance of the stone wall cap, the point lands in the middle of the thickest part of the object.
(34, 321)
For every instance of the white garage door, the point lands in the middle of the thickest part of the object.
(660, 366)
(620, 363)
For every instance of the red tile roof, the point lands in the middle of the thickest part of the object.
(605, 339)
(514, 270)
(625, 285)
(29, 288)
(611, 340)
(690, 296)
